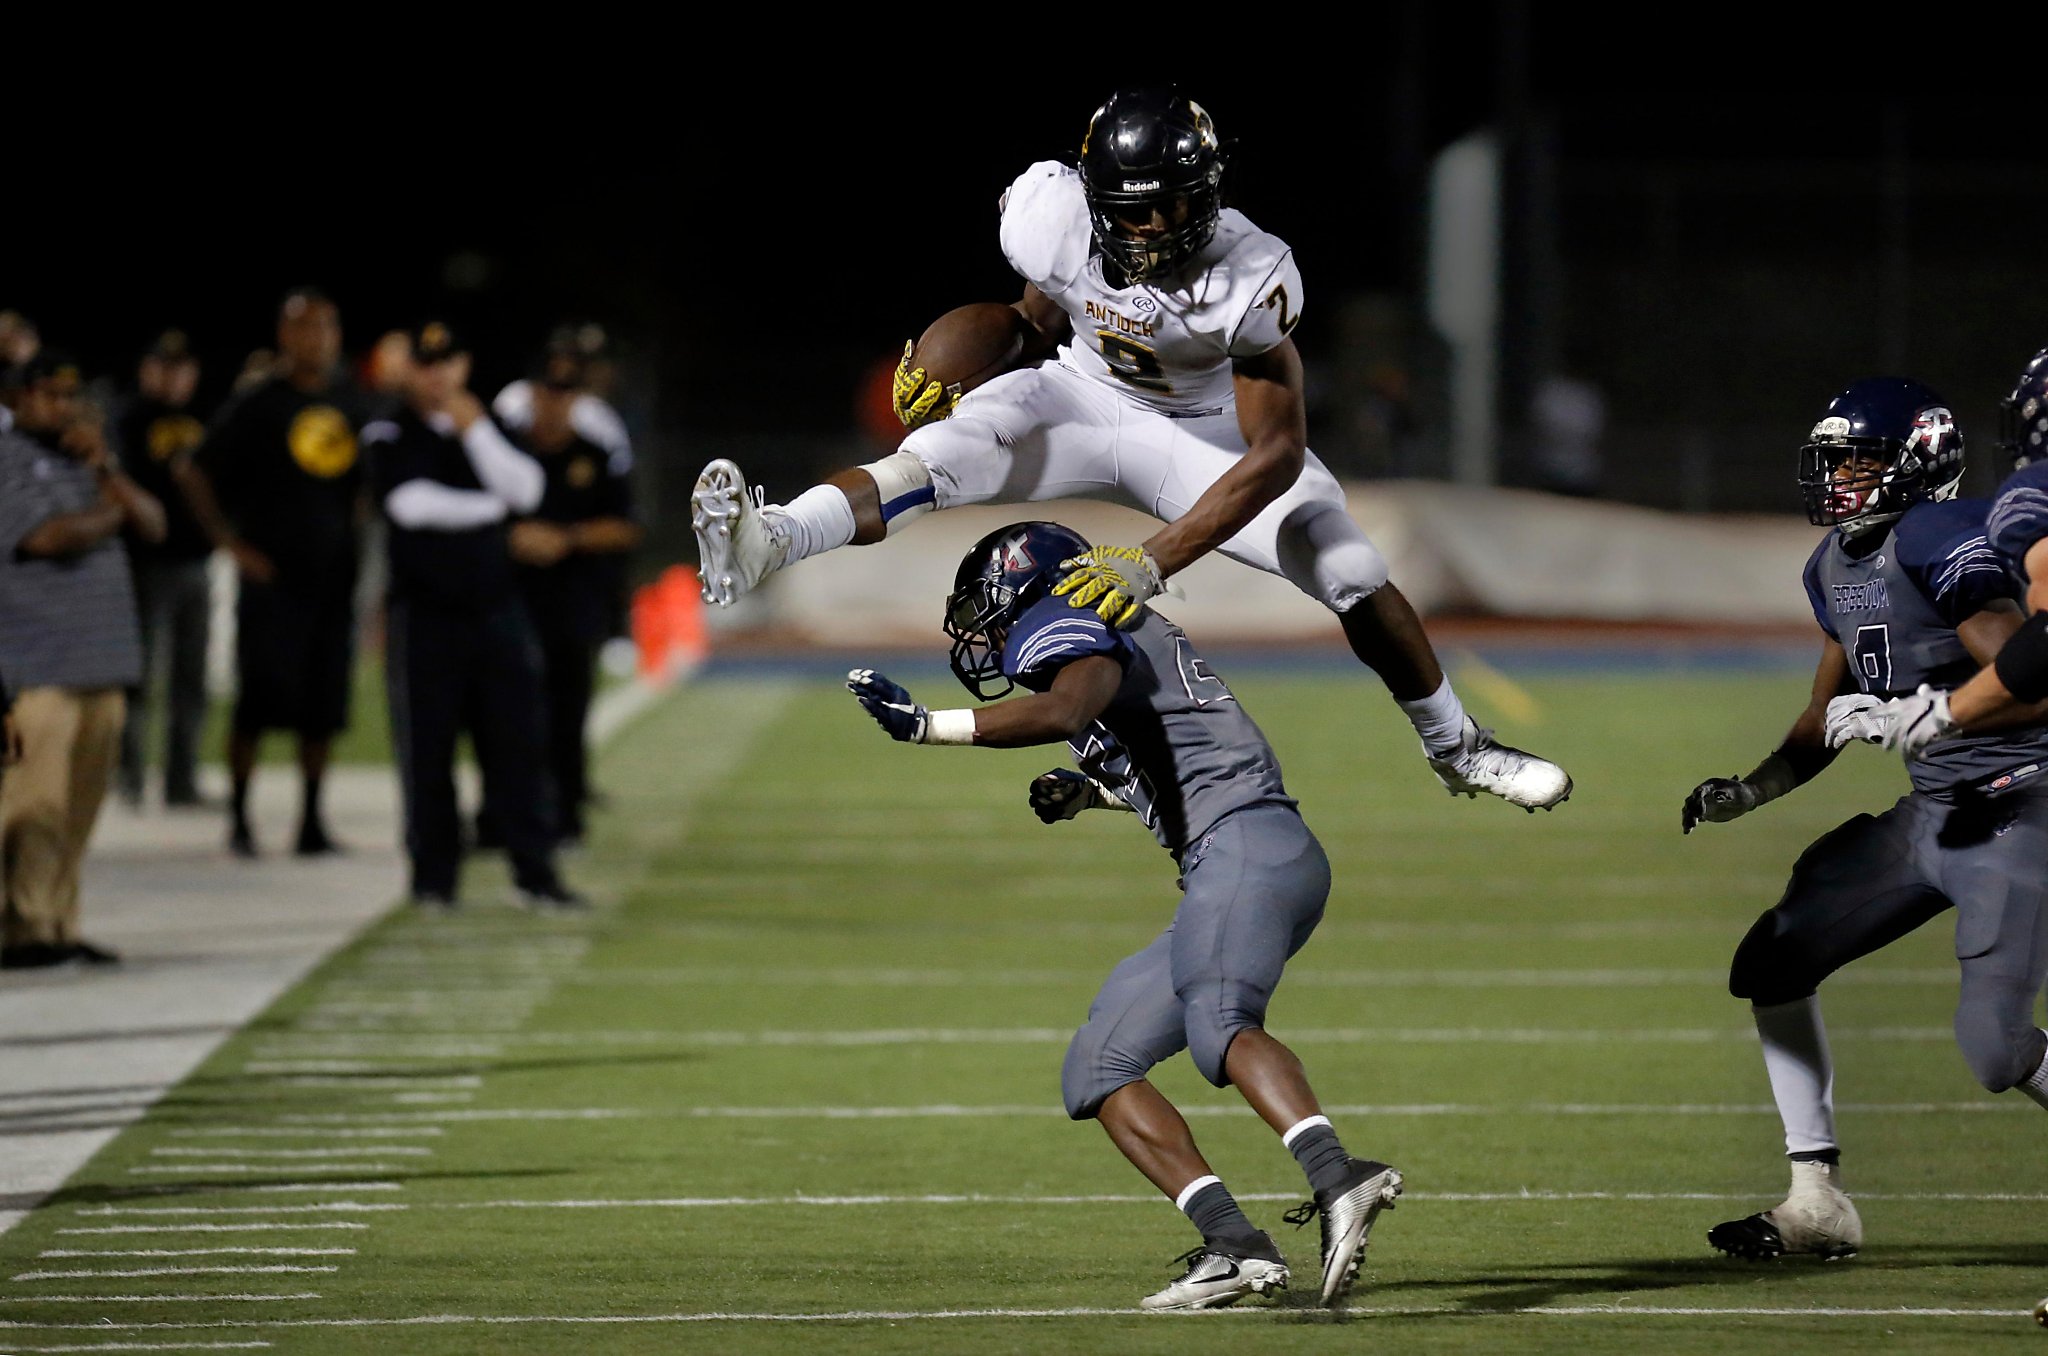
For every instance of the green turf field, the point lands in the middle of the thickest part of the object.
(804, 1063)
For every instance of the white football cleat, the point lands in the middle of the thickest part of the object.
(1483, 763)
(1215, 1279)
(1347, 1214)
(1817, 1219)
(736, 547)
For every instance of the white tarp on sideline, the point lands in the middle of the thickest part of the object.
(1509, 553)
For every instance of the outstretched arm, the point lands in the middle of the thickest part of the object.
(1079, 693)
(1797, 760)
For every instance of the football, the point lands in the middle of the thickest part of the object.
(970, 345)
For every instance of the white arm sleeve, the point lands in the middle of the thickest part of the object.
(514, 405)
(504, 470)
(597, 422)
(431, 506)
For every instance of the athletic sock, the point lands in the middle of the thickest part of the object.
(1213, 1210)
(1802, 1072)
(818, 520)
(1439, 718)
(2035, 1084)
(1315, 1146)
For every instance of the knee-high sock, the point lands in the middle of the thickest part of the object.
(818, 520)
(1802, 1072)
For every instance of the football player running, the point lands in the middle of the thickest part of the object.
(1909, 593)
(1156, 732)
(1175, 389)
(2013, 689)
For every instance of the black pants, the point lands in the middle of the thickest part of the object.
(174, 605)
(444, 666)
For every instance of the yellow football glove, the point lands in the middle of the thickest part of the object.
(1113, 580)
(919, 402)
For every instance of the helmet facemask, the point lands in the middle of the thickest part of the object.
(1154, 232)
(978, 618)
(1858, 484)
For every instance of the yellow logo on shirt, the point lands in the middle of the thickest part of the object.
(582, 472)
(321, 442)
(173, 435)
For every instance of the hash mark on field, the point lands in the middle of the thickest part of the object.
(396, 1132)
(152, 1299)
(350, 1166)
(345, 1207)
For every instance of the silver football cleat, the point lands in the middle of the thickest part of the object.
(1216, 1279)
(736, 547)
(1347, 1214)
(1483, 763)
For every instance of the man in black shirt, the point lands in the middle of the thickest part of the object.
(459, 643)
(278, 485)
(172, 603)
(571, 555)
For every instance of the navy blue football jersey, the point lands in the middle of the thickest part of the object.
(1895, 606)
(1174, 743)
(2019, 516)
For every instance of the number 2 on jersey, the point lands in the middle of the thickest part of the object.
(1873, 658)
(1132, 362)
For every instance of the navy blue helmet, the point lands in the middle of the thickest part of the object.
(1152, 170)
(1000, 576)
(1884, 445)
(2023, 415)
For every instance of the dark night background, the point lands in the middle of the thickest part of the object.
(1717, 242)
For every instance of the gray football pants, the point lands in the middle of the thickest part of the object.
(1254, 890)
(1871, 881)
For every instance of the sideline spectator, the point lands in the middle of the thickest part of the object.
(278, 485)
(458, 640)
(67, 608)
(593, 416)
(570, 555)
(172, 601)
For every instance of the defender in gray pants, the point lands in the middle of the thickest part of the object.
(1157, 733)
(1910, 596)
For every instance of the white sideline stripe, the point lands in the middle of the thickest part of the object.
(197, 1252)
(394, 1132)
(315, 1186)
(910, 1315)
(166, 1271)
(353, 1151)
(1135, 1198)
(209, 1228)
(345, 1207)
(144, 1299)
(350, 1166)
(326, 1066)
(418, 1098)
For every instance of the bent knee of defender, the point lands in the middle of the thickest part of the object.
(2002, 1050)
(1769, 970)
(1094, 1068)
(1212, 1024)
(1328, 556)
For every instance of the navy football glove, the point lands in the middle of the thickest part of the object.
(1718, 800)
(1060, 794)
(890, 704)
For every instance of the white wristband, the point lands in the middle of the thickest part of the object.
(949, 727)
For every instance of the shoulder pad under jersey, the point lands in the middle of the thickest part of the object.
(1045, 230)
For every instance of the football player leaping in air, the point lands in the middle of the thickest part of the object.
(1155, 731)
(1910, 594)
(1175, 390)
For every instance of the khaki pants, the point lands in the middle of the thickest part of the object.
(48, 802)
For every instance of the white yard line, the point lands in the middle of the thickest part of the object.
(394, 1132)
(148, 1299)
(197, 1252)
(916, 1315)
(323, 1207)
(265, 1227)
(203, 1168)
(352, 1151)
(158, 1346)
(84, 1273)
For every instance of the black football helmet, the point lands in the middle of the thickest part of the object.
(1152, 169)
(2023, 415)
(1884, 445)
(1000, 576)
